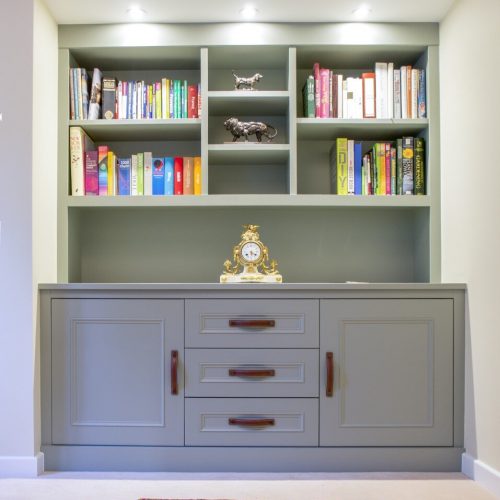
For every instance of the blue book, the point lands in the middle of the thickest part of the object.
(124, 166)
(421, 105)
(158, 176)
(169, 175)
(358, 159)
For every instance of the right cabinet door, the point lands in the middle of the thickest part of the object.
(389, 366)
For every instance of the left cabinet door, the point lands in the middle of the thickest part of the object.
(113, 371)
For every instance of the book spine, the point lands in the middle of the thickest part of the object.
(333, 168)
(192, 101)
(134, 99)
(308, 97)
(91, 173)
(85, 94)
(148, 173)
(317, 90)
(399, 166)
(408, 91)
(350, 166)
(185, 99)
(404, 106)
(95, 95)
(381, 89)
(79, 93)
(77, 160)
(358, 160)
(178, 171)
(133, 175)
(422, 108)
(103, 170)
(419, 159)
(171, 101)
(397, 93)
(159, 104)
(390, 90)
(414, 93)
(408, 165)
(158, 176)
(381, 182)
(111, 174)
(71, 94)
(368, 95)
(164, 98)
(341, 165)
(335, 96)
(324, 79)
(124, 176)
(140, 174)
(387, 168)
(330, 94)
(108, 98)
(393, 170)
(187, 176)
(169, 175)
(197, 175)
(199, 99)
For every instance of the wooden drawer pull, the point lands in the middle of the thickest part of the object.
(329, 374)
(174, 361)
(242, 372)
(251, 422)
(252, 323)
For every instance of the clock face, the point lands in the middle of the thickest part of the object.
(251, 252)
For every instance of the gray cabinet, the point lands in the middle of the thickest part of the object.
(112, 370)
(391, 372)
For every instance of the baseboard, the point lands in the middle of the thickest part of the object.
(22, 466)
(483, 474)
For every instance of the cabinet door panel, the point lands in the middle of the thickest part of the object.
(393, 372)
(111, 371)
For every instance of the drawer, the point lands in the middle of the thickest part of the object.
(252, 372)
(251, 422)
(253, 323)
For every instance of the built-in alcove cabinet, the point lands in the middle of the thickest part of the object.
(283, 186)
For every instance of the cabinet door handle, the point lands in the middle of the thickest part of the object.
(251, 422)
(242, 372)
(174, 361)
(252, 323)
(329, 374)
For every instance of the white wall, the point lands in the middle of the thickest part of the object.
(470, 136)
(16, 275)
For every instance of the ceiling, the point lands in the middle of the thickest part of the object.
(194, 11)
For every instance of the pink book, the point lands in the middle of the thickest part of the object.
(91, 173)
(316, 90)
(324, 93)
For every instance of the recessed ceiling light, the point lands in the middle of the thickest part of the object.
(248, 12)
(136, 13)
(362, 11)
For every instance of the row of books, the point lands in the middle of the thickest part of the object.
(385, 93)
(97, 171)
(381, 168)
(116, 99)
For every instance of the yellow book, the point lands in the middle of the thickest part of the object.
(111, 174)
(342, 165)
(197, 175)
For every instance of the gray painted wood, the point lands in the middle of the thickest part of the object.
(295, 422)
(111, 372)
(393, 373)
(295, 373)
(296, 323)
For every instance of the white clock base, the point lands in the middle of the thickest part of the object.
(251, 278)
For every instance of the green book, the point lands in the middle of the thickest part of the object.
(308, 97)
(399, 166)
(419, 163)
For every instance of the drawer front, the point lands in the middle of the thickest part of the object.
(253, 323)
(252, 372)
(251, 422)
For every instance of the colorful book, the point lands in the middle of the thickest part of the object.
(387, 168)
(192, 101)
(197, 175)
(422, 108)
(308, 97)
(91, 173)
(393, 171)
(79, 143)
(317, 92)
(95, 95)
(158, 176)
(187, 175)
(350, 166)
(169, 175)
(419, 162)
(124, 167)
(148, 173)
(103, 170)
(358, 161)
(111, 174)
(324, 93)
(178, 171)
(407, 164)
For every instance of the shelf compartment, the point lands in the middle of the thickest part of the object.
(362, 129)
(250, 200)
(248, 153)
(146, 130)
(248, 102)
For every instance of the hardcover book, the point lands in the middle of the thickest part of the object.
(79, 143)
(408, 165)
(148, 173)
(419, 157)
(381, 89)
(187, 176)
(158, 176)
(399, 166)
(124, 167)
(169, 175)
(397, 93)
(338, 166)
(308, 97)
(91, 173)
(357, 168)
(368, 95)
(324, 82)
(133, 175)
(85, 94)
(103, 170)
(197, 175)
(111, 174)
(140, 174)
(178, 171)
(95, 95)
(350, 166)
(317, 92)
(192, 101)
(422, 111)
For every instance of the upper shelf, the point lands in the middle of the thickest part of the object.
(147, 130)
(374, 129)
(248, 102)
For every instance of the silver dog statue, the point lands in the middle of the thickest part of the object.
(242, 83)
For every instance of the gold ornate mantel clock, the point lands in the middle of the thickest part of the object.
(250, 254)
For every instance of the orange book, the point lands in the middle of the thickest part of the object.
(197, 175)
(368, 95)
(188, 175)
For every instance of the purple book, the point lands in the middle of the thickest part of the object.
(91, 174)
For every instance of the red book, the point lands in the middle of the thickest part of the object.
(192, 101)
(324, 93)
(178, 178)
(91, 173)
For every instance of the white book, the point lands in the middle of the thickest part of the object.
(358, 98)
(350, 101)
(381, 89)
(404, 104)
(350, 166)
(368, 89)
(164, 98)
(344, 99)
(414, 93)
(340, 100)
(134, 101)
(397, 93)
(390, 90)
(133, 176)
(148, 174)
